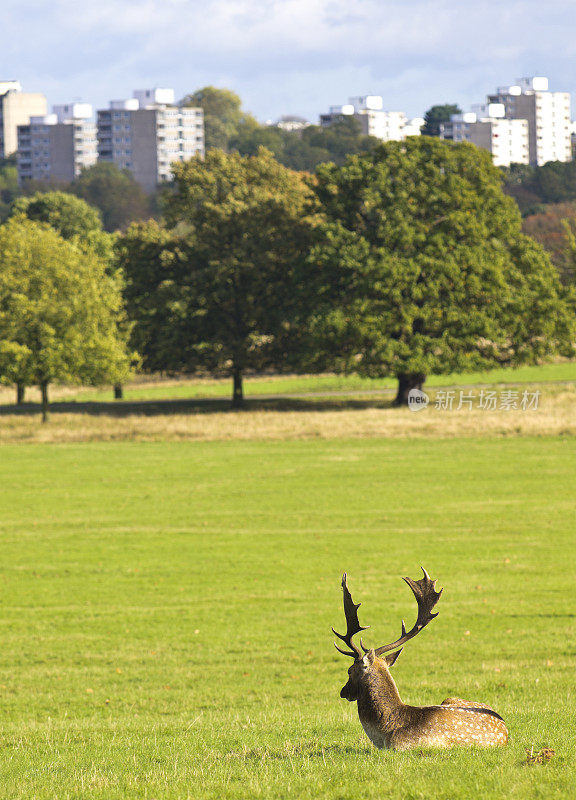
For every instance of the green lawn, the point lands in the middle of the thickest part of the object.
(565, 371)
(166, 613)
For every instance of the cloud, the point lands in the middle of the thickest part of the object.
(283, 55)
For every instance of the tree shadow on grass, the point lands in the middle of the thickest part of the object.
(151, 408)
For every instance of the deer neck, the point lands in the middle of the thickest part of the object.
(378, 698)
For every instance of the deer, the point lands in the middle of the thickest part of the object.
(387, 721)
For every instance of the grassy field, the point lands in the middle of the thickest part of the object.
(166, 613)
(148, 388)
(296, 418)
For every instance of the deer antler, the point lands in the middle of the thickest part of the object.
(352, 625)
(426, 597)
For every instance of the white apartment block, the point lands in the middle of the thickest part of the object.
(413, 127)
(486, 126)
(374, 121)
(16, 108)
(385, 125)
(57, 146)
(148, 133)
(547, 114)
(290, 123)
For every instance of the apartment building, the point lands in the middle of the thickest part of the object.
(290, 123)
(413, 127)
(547, 114)
(148, 133)
(16, 108)
(57, 146)
(369, 111)
(486, 126)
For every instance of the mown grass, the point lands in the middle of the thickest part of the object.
(166, 613)
(148, 388)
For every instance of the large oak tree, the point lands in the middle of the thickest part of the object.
(223, 288)
(427, 270)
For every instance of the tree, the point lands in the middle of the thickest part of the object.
(555, 182)
(535, 187)
(75, 221)
(548, 228)
(70, 216)
(341, 139)
(9, 188)
(428, 268)
(115, 193)
(250, 137)
(518, 174)
(436, 115)
(67, 214)
(61, 314)
(569, 262)
(152, 259)
(223, 289)
(227, 127)
(304, 150)
(223, 115)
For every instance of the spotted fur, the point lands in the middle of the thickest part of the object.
(389, 723)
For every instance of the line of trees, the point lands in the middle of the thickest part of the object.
(534, 188)
(121, 200)
(407, 260)
(229, 128)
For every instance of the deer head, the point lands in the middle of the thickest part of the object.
(368, 662)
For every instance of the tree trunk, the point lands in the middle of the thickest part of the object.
(20, 393)
(118, 391)
(238, 391)
(413, 380)
(45, 402)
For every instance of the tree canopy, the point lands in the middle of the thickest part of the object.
(548, 228)
(568, 270)
(115, 193)
(151, 258)
(534, 187)
(436, 115)
(229, 128)
(305, 149)
(73, 218)
(223, 115)
(64, 212)
(9, 188)
(224, 287)
(429, 270)
(61, 313)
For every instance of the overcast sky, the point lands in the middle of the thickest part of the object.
(288, 56)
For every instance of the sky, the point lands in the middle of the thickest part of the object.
(288, 56)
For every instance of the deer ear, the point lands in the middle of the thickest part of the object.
(391, 658)
(368, 659)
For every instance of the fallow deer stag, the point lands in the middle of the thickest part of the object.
(386, 720)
